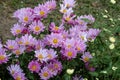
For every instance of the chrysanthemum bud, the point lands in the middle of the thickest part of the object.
(113, 1)
(111, 46)
(112, 39)
(70, 71)
(114, 68)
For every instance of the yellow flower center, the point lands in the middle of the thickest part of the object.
(56, 66)
(38, 47)
(70, 54)
(40, 56)
(82, 37)
(86, 59)
(67, 19)
(64, 11)
(42, 13)
(49, 56)
(45, 74)
(50, 7)
(34, 67)
(20, 42)
(2, 57)
(26, 19)
(18, 78)
(13, 72)
(17, 52)
(69, 46)
(11, 47)
(18, 31)
(68, 5)
(55, 41)
(80, 22)
(27, 43)
(37, 28)
(56, 28)
(78, 48)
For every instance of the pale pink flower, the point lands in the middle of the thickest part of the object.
(69, 53)
(51, 4)
(92, 33)
(19, 50)
(70, 3)
(86, 56)
(51, 54)
(80, 45)
(55, 39)
(25, 15)
(69, 43)
(3, 56)
(40, 44)
(42, 55)
(34, 66)
(37, 27)
(56, 29)
(28, 40)
(45, 73)
(11, 45)
(41, 11)
(17, 29)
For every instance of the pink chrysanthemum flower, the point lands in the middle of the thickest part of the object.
(11, 45)
(80, 45)
(56, 29)
(55, 39)
(86, 56)
(69, 18)
(41, 11)
(25, 15)
(82, 35)
(69, 43)
(53, 71)
(73, 31)
(70, 3)
(45, 73)
(19, 41)
(40, 44)
(34, 66)
(66, 11)
(37, 27)
(16, 72)
(51, 5)
(3, 56)
(51, 54)
(92, 33)
(89, 17)
(17, 29)
(57, 65)
(69, 53)
(80, 21)
(28, 40)
(41, 55)
(63, 9)
(19, 76)
(65, 34)
(14, 69)
(19, 50)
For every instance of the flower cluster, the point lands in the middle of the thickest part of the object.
(16, 72)
(61, 41)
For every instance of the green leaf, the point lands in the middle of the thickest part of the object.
(94, 74)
